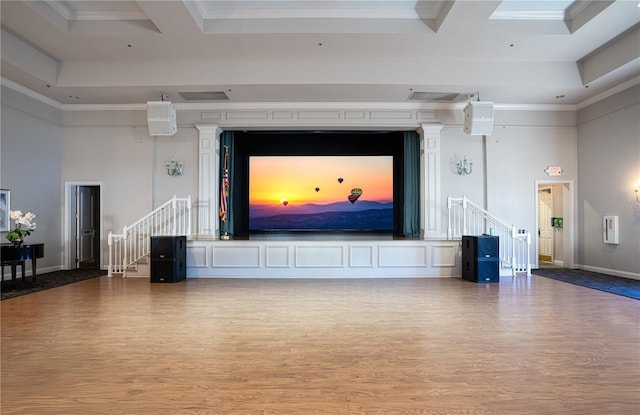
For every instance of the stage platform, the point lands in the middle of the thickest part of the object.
(326, 257)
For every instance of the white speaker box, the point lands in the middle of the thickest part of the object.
(478, 118)
(161, 118)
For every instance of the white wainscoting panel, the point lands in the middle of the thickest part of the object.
(357, 258)
(248, 115)
(283, 115)
(277, 256)
(236, 256)
(319, 115)
(355, 115)
(211, 116)
(403, 256)
(197, 256)
(361, 256)
(391, 115)
(443, 255)
(319, 256)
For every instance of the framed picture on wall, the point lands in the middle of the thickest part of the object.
(610, 229)
(5, 205)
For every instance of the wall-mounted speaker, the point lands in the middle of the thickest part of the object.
(478, 118)
(161, 118)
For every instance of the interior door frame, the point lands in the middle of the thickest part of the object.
(543, 188)
(569, 219)
(68, 236)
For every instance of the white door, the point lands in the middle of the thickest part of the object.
(85, 219)
(545, 231)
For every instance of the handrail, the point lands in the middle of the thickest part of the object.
(467, 218)
(134, 243)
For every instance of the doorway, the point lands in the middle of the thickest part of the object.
(83, 226)
(555, 214)
(546, 246)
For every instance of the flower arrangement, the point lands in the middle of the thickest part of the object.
(24, 226)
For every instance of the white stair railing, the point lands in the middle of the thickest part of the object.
(134, 243)
(467, 218)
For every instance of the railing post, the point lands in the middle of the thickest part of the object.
(449, 231)
(514, 264)
(125, 256)
(189, 216)
(528, 254)
(464, 215)
(110, 243)
(175, 216)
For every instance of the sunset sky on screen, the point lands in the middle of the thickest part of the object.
(274, 179)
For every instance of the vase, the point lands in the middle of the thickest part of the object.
(18, 242)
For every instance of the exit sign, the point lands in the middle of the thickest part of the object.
(553, 170)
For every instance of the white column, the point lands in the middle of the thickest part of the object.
(208, 179)
(430, 177)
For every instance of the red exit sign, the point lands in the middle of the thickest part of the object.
(553, 170)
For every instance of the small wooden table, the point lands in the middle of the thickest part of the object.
(15, 255)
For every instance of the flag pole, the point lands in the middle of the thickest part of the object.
(224, 194)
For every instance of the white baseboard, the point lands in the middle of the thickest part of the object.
(617, 273)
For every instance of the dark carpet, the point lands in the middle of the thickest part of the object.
(603, 282)
(46, 281)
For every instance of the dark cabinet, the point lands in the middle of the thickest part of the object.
(480, 261)
(168, 258)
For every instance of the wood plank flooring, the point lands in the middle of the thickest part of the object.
(346, 346)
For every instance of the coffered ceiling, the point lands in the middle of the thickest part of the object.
(511, 51)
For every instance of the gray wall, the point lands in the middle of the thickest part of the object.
(31, 150)
(609, 164)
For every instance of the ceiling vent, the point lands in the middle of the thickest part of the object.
(204, 96)
(438, 96)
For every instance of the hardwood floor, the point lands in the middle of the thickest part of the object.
(286, 346)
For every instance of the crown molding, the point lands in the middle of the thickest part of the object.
(246, 106)
(204, 106)
(30, 93)
(104, 107)
(606, 94)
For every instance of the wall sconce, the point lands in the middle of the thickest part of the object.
(464, 166)
(636, 188)
(174, 168)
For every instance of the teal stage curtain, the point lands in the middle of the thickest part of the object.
(411, 225)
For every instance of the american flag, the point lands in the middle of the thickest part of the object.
(224, 193)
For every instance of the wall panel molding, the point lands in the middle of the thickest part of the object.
(322, 259)
(330, 118)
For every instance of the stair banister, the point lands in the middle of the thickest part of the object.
(133, 245)
(467, 218)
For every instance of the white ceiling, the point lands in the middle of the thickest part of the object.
(511, 52)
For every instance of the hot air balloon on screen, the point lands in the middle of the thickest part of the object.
(285, 202)
(355, 194)
(340, 180)
(317, 189)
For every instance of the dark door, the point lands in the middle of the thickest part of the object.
(87, 227)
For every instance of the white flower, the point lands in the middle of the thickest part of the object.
(23, 221)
